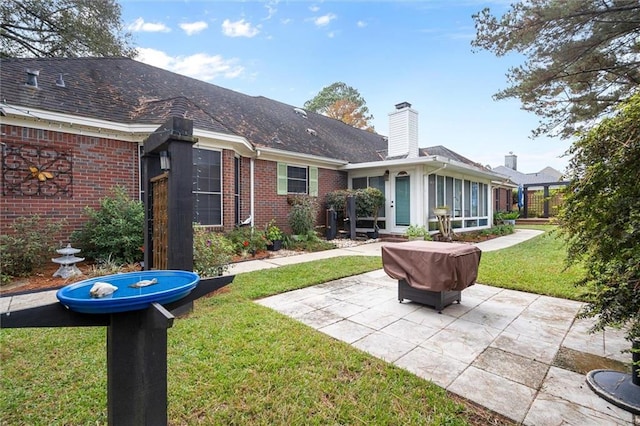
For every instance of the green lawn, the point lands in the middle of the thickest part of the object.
(231, 361)
(535, 266)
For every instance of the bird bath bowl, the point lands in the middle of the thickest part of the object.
(171, 286)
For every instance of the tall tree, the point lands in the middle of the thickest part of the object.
(601, 217)
(583, 58)
(62, 28)
(343, 103)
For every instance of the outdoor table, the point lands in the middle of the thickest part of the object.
(431, 273)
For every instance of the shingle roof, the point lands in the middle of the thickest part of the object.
(443, 151)
(527, 178)
(122, 90)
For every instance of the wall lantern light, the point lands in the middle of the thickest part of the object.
(165, 162)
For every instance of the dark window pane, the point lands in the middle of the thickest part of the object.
(359, 183)
(297, 180)
(297, 187)
(207, 185)
(207, 209)
(296, 172)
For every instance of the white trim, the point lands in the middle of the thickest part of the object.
(272, 154)
(432, 160)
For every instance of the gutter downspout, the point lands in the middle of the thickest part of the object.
(252, 190)
(444, 166)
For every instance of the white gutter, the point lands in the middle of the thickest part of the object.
(132, 132)
(444, 166)
(252, 192)
(274, 154)
(56, 119)
(444, 161)
(504, 183)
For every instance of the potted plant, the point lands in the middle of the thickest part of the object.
(509, 218)
(274, 236)
(441, 210)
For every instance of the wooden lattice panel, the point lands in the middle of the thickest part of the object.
(160, 186)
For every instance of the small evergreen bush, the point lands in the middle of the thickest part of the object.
(115, 230)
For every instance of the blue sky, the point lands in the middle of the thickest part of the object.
(390, 51)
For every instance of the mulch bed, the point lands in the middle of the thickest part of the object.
(43, 279)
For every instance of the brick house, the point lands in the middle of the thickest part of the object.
(73, 128)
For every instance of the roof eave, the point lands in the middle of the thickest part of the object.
(431, 160)
(274, 154)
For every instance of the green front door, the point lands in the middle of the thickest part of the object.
(403, 201)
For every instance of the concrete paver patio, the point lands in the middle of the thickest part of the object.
(496, 348)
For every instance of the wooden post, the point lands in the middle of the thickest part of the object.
(351, 214)
(545, 202)
(176, 137)
(137, 367)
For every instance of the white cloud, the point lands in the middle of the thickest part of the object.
(271, 8)
(314, 8)
(323, 20)
(148, 27)
(361, 24)
(191, 28)
(200, 65)
(239, 29)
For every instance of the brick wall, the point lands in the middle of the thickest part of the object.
(502, 199)
(269, 205)
(98, 164)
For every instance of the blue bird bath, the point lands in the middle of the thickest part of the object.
(171, 286)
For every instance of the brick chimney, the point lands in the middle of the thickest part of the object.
(403, 132)
(511, 161)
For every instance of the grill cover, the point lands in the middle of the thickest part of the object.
(432, 266)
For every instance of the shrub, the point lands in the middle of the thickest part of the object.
(600, 219)
(212, 252)
(302, 217)
(247, 240)
(309, 242)
(417, 232)
(115, 230)
(337, 200)
(368, 203)
(30, 246)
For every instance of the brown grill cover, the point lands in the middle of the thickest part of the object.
(432, 266)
